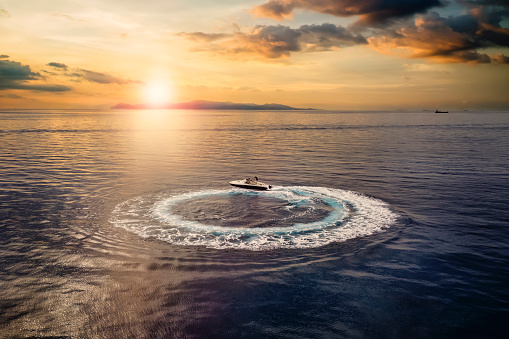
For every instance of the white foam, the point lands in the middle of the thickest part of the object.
(353, 215)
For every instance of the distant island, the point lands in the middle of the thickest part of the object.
(203, 104)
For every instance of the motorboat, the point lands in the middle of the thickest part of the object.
(437, 111)
(252, 184)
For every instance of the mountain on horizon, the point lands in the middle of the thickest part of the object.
(210, 105)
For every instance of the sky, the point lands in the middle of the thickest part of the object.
(326, 54)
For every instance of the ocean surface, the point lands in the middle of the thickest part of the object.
(122, 224)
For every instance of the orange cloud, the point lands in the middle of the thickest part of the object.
(446, 39)
(443, 39)
(500, 58)
(276, 9)
(371, 12)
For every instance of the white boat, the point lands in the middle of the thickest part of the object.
(252, 184)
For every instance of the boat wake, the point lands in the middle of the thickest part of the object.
(284, 217)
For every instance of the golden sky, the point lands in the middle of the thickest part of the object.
(329, 54)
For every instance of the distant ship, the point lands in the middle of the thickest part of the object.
(437, 111)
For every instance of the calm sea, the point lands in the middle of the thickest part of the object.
(122, 224)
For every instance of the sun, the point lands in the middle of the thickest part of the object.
(157, 93)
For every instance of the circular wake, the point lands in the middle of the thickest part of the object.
(284, 217)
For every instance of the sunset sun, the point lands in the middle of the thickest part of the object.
(157, 93)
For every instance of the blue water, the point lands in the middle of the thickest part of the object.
(121, 224)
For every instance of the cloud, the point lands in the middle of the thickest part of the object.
(12, 96)
(4, 13)
(268, 41)
(329, 36)
(204, 37)
(12, 71)
(452, 39)
(79, 75)
(278, 41)
(276, 9)
(68, 17)
(101, 78)
(3, 56)
(14, 75)
(460, 39)
(370, 12)
(35, 87)
(500, 58)
(58, 65)
(501, 3)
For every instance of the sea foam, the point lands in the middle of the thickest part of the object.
(351, 215)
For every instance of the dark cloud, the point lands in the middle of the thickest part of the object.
(453, 39)
(501, 3)
(14, 75)
(488, 12)
(327, 36)
(269, 41)
(48, 72)
(15, 71)
(466, 24)
(279, 41)
(404, 27)
(370, 12)
(3, 56)
(58, 65)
